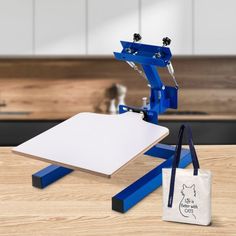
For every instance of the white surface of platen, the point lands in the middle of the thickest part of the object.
(95, 142)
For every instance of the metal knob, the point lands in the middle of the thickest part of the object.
(166, 41)
(136, 37)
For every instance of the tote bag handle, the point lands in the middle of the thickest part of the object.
(176, 159)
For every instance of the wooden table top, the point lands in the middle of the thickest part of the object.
(80, 203)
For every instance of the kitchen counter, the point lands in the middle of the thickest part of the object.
(80, 203)
(50, 116)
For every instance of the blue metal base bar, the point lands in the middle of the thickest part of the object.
(161, 151)
(134, 193)
(49, 175)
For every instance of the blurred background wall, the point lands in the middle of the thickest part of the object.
(56, 59)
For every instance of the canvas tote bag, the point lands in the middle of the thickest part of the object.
(186, 192)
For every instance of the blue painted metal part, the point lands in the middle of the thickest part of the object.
(135, 192)
(49, 175)
(161, 98)
(144, 54)
(161, 151)
(150, 57)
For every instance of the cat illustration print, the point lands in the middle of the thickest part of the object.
(188, 205)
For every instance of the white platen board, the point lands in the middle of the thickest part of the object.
(94, 142)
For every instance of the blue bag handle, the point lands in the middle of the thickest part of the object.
(176, 159)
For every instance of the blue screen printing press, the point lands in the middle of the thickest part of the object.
(103, 144)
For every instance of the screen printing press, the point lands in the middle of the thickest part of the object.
(103, 144)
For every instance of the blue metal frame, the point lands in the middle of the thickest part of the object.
(49, 175)
(161, 98)
(138, 190)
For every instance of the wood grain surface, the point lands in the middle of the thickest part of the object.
(60, 88)
(80, 203)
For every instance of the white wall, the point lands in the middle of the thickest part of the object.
(16, 27)
(109, 22)
(214, 27)
(95, 27)
(60, 27)
(170, 18)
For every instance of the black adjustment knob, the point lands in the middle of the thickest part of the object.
(137, 37)
(166, 41)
